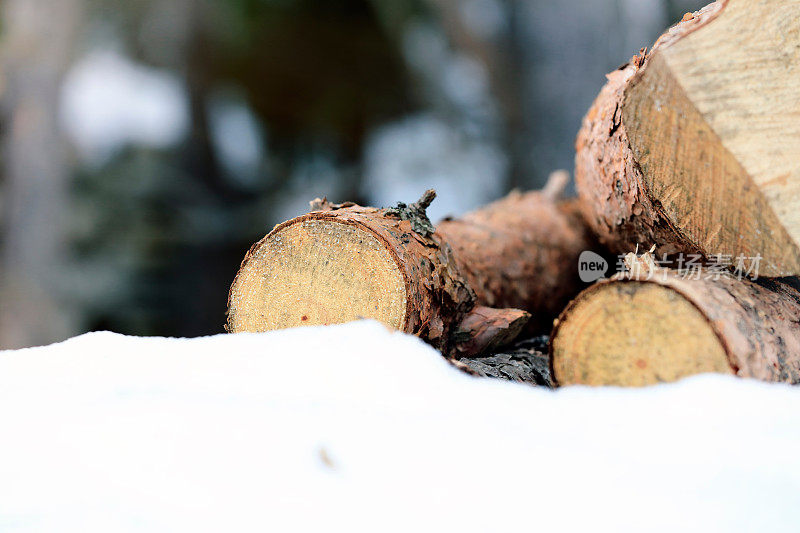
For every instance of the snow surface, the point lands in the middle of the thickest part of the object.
(355, 428)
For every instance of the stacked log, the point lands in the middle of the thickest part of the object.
(692, 147)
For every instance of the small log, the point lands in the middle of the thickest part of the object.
(653, 325)
(525, 362)
(696, 146)
(466, 287)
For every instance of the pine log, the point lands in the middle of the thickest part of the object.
(466, 287)
(696, 146)
(527, 361)
(640, 328)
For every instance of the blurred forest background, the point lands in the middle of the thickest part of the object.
(146, 144)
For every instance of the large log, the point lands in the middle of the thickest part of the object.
(696, 146)
(653, 325)
(461, 287)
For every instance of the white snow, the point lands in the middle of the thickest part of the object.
(354, 428)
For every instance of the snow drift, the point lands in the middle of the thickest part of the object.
(354, 427)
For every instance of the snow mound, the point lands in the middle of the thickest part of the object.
(356, 428)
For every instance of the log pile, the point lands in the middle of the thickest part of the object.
(692, 147)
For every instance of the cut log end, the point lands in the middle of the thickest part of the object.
(314, 272)
(634, 334)
(467, 287)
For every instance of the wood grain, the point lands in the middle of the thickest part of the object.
(695, 147)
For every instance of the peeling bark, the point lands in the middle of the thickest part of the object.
(616, 201)
(672, 154)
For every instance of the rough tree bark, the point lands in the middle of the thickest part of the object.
(696, 146)
(464, 287)
(654, 324)
(521, 251)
